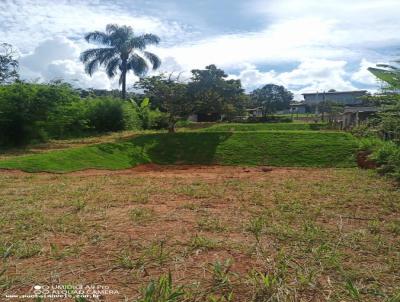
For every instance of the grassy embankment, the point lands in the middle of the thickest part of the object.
(266, 127)
(274, 148)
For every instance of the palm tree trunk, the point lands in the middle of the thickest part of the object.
(124, 79)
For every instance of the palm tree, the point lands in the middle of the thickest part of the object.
(123, 51)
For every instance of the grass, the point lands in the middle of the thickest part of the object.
(265, 127)
(274, 148)
(312, 235)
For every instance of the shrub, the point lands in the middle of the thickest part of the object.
(109, 114)
(157, 120)
(28, 111)
(387, 156)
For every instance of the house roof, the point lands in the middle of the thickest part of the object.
(336, 92)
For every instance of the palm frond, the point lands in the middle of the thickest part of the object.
(138, 65)
(93, 53)
(107, 55)
(112, 28)
(150, 39)
(112, 66)
(91, 66)
(154, 60)
(98, 37)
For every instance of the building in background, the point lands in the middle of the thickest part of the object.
(347, 98)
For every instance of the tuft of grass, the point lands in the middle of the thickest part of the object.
(202, 243)
(162, 290)
(274, 148)
(140, 215)
(211, 224)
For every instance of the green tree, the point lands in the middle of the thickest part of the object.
(123, 51)
(271, 98)
(8, 64)
(213, 94)
(169, 95)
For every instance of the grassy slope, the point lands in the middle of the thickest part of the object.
(275, 148)
(264, 127)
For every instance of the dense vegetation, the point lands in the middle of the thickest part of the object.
(36, 112)
(275, 148)
(381, 134)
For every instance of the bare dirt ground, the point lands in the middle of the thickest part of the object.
(315, 234)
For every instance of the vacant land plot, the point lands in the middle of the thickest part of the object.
(225, 234)
(274, 148)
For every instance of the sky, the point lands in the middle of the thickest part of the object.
(305, 45)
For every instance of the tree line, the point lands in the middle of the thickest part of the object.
(32, 112)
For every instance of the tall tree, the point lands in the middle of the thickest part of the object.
(214, 94)
(271, 98)
(123, 51)
(8, 64)
(169, 95)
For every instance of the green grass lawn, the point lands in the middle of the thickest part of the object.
(264, 127)
(274, 148)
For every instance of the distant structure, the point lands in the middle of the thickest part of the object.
(298, 107)
(354, 116)
(347, 98)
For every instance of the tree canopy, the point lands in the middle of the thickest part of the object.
(169, 95)
(213, 93)
(8, 64)
(271, 98)
(123, 51)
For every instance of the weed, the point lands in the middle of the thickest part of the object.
(79, 205)
(211, 224)
(221, 274)
(352, 290)
(255, 226)
(374, 226)
(202, 243)
(162, 290)
(141, 215)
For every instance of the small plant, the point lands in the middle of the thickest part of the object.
(374, 227)
(211, 224)
(162, 291)
(265, 286)
(125, 260)
(141, 197)
(202, 243)
(352, 290)
(78, 205)
(394, 227)
(141, 214)
(255, 226)
(157, 252)
(221, 272)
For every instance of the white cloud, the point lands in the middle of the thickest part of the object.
(363, 76)
(310, 75)
(326, 37)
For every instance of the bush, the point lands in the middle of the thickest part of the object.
(109, 114)
(157, 120)
(28, 112)
(387, 156)
(36, 112)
